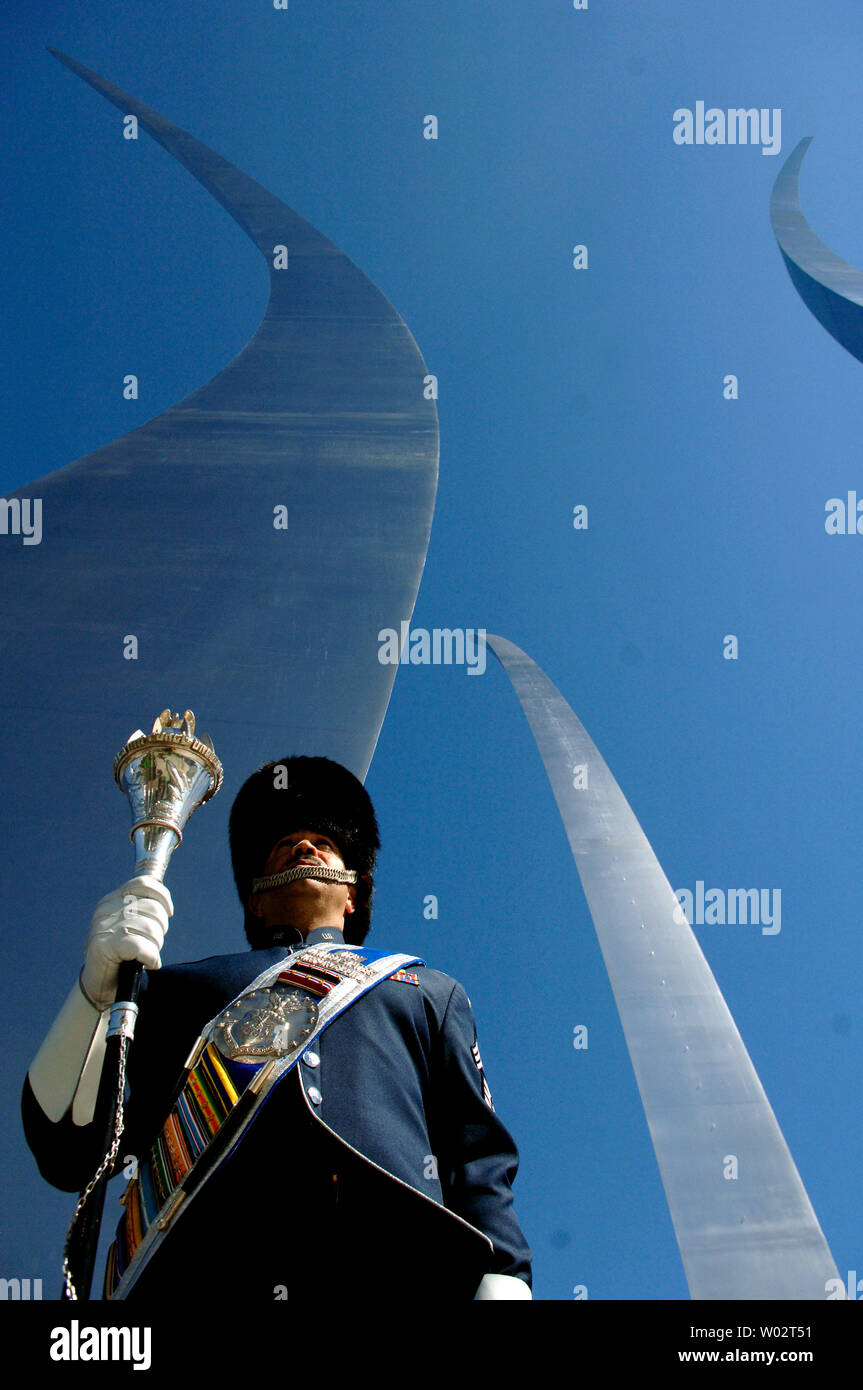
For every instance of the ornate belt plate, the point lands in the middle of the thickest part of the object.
(269, 1022)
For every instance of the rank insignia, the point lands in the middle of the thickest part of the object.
(486, 1093)
(406, 976)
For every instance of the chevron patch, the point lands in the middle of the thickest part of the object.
(486, 1093)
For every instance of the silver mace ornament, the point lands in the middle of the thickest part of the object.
(166, 775)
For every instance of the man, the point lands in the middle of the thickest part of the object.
(307, 1116)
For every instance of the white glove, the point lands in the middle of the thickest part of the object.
(128, 924)
(500, 1286)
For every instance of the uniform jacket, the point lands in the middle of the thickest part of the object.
(378, 1160)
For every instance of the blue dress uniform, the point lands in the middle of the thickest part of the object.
(377, 1167)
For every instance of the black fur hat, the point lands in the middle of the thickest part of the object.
(304, 794)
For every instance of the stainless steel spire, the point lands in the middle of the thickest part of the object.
(830, 288)
(755, 1237)
(168, 533)
(161, 578)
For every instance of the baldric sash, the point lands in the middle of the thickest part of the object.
(236, 1062)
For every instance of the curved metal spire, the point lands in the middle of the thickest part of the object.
(755, 1237)
(168, 533)
(830, 288)
(167, 537)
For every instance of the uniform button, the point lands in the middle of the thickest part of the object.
(311, 1059)
(314, 1095)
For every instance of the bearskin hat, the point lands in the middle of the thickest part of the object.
(304, 793)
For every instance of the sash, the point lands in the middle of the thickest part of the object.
(236, 1062)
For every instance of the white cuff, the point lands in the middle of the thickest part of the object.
(68, 1065)
(502, 1286)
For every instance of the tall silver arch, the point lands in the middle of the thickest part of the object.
(269, 634)
(756, 1237)
(830, 288)
(169, 533)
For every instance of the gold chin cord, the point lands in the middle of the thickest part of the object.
(322, 871)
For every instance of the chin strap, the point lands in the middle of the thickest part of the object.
(322, 871)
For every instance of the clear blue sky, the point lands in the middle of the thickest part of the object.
(601, 386)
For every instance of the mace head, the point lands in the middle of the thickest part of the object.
(165, 774)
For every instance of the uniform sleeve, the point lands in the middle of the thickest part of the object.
(66, 1154)
(477, 1158)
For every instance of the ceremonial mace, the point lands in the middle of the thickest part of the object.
(166, 775)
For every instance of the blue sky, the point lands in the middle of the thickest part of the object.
(601, 386)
